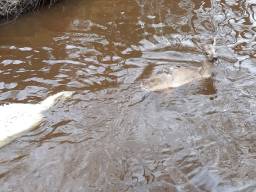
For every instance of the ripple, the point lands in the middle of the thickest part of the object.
(114, 135)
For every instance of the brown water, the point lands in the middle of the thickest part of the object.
(113, 135)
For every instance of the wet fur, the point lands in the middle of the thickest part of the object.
(176, 77)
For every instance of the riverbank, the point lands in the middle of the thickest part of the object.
(11, 9)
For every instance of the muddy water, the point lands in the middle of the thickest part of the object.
(113, 135)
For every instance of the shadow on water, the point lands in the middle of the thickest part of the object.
(113, 135)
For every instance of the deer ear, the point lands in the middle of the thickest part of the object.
(197, 43)
(201, 44)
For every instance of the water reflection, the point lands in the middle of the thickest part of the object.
(113, 135)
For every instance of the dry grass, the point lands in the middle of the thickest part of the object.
(11, 9)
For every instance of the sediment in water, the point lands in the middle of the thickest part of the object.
(11, 9)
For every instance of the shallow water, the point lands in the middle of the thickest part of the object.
(113, 135)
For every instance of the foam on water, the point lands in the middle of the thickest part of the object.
(15, 118)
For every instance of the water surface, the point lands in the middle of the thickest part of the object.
(113, 135)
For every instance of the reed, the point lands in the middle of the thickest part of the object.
(11, 9)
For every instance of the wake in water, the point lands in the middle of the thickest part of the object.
(16, 118)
